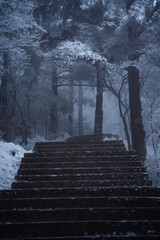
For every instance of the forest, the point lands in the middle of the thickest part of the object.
(50, 53)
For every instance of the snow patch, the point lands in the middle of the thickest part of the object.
(84, 7)
(126, 144)
(153, 166)
(109, 139)
(68, 52)
(155, 3)
(10, 159)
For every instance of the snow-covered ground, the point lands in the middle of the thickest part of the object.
(10, 159)
(11, 155)
(153, 166)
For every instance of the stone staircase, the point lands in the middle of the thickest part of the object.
(80, 190)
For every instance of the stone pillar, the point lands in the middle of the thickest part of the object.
(137, 131)
(98, 125)
(54, 111)
(70, 110)
(80, 109)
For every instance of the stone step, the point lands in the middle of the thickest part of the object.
(78, 183)
(74, 177)
(83, 150)
(79, 144)
(79, 214)
(44, 159)
(83, 164)
(91, 237)
(79, 153)
(82, 146)
(80, 228)
(80, 192)
(119, 202)
(49, 171)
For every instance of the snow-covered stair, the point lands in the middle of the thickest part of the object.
(80, 190)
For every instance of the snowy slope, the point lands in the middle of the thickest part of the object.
(11, 155)
(152, 164)
(10, 159)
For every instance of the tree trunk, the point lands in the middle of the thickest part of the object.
(123, 117)
(80, 110)
(99, 104)
(46, 129)
(26, 135)
(137, 131)
(54, 111)
(70, 112)
(4, 99)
